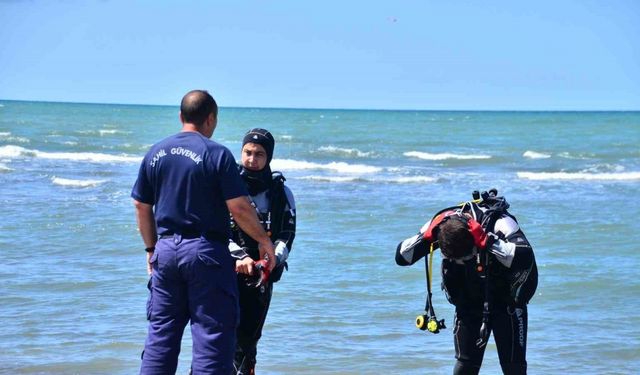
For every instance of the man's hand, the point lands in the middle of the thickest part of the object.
(245, 266)
(149, 265)
(267, 252)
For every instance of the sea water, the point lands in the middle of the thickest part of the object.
(72, 269)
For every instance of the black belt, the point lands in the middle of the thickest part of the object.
(209, 235)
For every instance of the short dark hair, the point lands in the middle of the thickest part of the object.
(196, 106)
(454, 238)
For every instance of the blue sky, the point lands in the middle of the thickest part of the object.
(500, 55)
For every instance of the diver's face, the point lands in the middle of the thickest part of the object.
(254, 157)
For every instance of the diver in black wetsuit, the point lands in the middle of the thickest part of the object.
(488, 272)
(276, 210)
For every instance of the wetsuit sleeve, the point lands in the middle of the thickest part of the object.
(523, 257)
(142, 189)
(284, 239)
(236, 251)
(412, 249)
(520, 254)
(523, 272)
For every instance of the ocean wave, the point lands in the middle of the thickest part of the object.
(579, 176)
(392, 180)
(332, 178)
(104, 132)
(443, 156)
(11, 151)
(582, 156)
(413, 179)
(75, 183)
(535, 155)
(7, 137)
(289, 165)
(344, 151)
(4, 168)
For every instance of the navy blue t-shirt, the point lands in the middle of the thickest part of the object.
(188, 178)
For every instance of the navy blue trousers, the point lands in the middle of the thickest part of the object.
(193, 280)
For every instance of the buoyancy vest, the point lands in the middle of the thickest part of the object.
(464, 282)
(271, 220)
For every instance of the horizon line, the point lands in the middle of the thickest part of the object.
(331, 109)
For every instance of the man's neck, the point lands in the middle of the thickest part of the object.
(189, 127)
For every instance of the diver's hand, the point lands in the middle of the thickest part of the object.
(245, 266)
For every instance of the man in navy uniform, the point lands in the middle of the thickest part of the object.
(186, 187)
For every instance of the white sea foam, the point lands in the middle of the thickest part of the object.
(413, 179)
(75, 183)
(11, 151)
(392, 180)
(289, 165)
(7, 137)
(4, 168)
(104, 132)
(344, 151)
(443, 156)
(286, 137)
(535, 155)
(579, 176)
(567, 155)
(331, 178)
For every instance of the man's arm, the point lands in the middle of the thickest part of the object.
(245, 216)
(147, 227)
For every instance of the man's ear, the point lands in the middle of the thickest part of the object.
(214, 119)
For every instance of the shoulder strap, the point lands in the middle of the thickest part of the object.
(278, 200)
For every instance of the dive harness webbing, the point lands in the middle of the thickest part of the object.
(496, 206)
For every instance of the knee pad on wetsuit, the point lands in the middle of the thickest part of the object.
(465, 368)
(514, 368)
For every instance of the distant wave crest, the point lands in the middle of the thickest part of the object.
(289, 164)
(443, 156)
(104, 132)
(7, 137)
(391, 180)
(344, 151)
(11, 151)
(332, 178)
(535, 155)
(579, 176)
(75, 183)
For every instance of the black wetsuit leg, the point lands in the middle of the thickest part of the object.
(465, 333)
(510, 332)
(254, 305)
